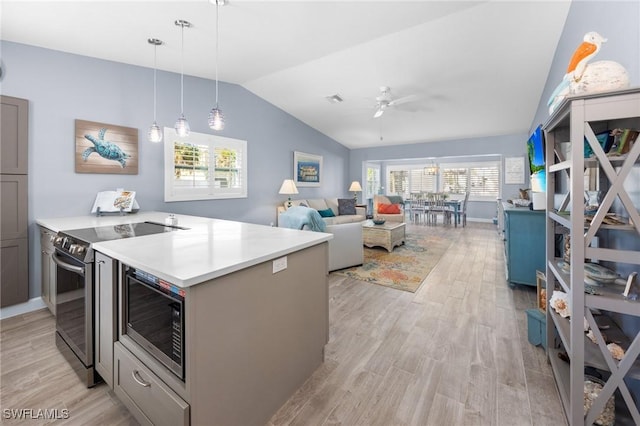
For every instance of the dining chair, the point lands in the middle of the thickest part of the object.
(416, 210)
(439, 207)
(463, 210)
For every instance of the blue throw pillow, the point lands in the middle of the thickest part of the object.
(326, 213)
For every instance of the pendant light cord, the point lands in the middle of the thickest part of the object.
(182, 75)
(217, 39)
(155, 70)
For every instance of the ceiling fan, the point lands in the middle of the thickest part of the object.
(385, 100)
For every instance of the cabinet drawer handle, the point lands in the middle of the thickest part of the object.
(138, 380)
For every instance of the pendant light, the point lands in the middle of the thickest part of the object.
(216, 118)
(155, 134)
(182, 125)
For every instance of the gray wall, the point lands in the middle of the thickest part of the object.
(463, 150)
(616, 21)
(63, 87)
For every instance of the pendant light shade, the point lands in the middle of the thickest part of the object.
(216, 118)
(182, 125)
(154, 134)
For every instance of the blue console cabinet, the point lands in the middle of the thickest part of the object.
(524, 243)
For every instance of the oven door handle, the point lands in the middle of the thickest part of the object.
(67, 266)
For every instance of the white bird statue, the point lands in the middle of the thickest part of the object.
(582, 77)
(590, 45)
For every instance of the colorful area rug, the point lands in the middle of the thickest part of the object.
(406, 267)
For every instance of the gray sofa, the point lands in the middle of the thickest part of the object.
(345, 248)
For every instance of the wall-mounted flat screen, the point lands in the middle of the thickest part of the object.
(535, 149)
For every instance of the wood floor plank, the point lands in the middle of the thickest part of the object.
(512, 407)
(445, 411)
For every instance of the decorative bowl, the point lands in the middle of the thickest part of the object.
(379, 221)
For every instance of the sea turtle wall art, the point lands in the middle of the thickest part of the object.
(106, 148)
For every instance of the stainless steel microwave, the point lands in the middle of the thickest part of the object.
(153, 317)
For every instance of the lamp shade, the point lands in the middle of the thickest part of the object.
(288, 187)
(355, 186)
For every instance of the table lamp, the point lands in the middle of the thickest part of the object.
(355, 188)
(288, 187)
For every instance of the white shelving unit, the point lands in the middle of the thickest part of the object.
(576, 120)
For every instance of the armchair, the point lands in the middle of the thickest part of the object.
(382, 210)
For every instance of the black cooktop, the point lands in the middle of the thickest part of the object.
(118, 232)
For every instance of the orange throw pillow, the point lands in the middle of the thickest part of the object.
(388, 208)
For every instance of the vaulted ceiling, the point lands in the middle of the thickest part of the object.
(470, 68)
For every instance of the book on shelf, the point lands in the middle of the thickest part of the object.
(627, 138)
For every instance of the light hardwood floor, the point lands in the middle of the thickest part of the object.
(453, 353)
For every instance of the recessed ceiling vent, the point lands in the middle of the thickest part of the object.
(334, 99)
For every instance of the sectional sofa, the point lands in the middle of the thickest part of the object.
(345, 249)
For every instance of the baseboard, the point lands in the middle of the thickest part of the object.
(22, 308)
(476, 219)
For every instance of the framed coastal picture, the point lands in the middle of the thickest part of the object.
(307, 169)
(106, 148)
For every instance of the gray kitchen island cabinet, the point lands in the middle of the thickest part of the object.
(252, 338)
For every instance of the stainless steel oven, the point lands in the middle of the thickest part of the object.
(74, 313)
(153, 317)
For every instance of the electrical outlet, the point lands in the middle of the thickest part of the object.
(280, 264)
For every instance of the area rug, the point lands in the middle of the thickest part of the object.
(406, 266)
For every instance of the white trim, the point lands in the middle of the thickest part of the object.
(22, 308)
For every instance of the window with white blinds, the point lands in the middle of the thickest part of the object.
(481, 179)
(398, 182)
(454, 180)
(420, 182)
(204, 167)
(373, 181)
(410, 179)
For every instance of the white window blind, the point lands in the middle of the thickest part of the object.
(410, 179)
(481, 179)
(202, 167)
(373, 181)
(484, 181)
(420, 182)
(454, 180)
(398, 182)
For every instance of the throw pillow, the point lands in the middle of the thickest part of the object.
(389, 208)
(326, 213)
(346, 206)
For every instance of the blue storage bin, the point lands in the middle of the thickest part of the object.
(537, 327)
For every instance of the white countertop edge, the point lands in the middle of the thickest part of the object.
(198, 279)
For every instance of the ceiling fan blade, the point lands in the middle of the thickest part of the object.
(378, 113)
(405, 99)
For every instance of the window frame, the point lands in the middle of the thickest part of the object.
(173, 193)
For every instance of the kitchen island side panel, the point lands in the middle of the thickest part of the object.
(255, 336)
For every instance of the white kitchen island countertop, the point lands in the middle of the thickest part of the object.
(210, 248)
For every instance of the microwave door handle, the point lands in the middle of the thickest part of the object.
(67, 266)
